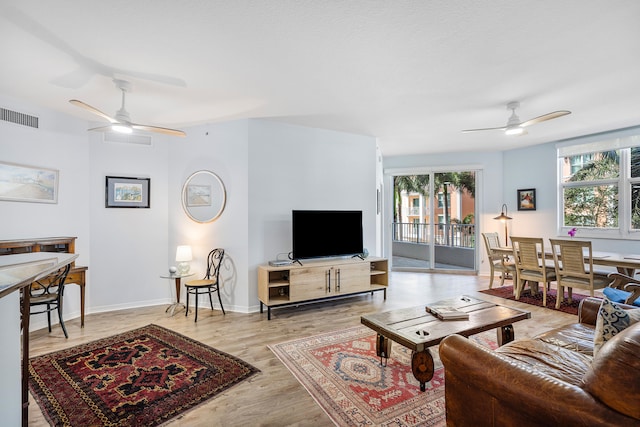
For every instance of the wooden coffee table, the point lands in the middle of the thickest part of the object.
(418, 330)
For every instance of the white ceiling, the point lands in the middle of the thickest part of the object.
(412, 73)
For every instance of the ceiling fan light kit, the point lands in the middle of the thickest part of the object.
(515, 130)
(121, 122)
(515, 126)
(117, 127)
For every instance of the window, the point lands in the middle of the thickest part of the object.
(599, 188)
(441, 201)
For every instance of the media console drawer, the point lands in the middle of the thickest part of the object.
(314, 281)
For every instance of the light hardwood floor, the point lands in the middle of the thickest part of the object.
(274, 397)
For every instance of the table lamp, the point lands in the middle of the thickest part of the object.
(504, 217)
(183, 256)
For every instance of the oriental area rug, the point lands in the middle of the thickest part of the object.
(527, 298)
(143, 377)
(343, 374)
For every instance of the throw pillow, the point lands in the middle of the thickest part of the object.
(611, 320)
(618, 295)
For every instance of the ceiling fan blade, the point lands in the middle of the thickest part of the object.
(93, 110)
(101, 129)
(479, 130)
(166, 131)
(545, 117)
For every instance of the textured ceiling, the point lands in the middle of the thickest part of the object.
(411, 73)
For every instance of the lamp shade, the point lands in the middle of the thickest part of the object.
(503, 214)
(504, 217)
(183, 253)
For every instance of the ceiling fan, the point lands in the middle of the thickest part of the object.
(515, 126)
(122, 121)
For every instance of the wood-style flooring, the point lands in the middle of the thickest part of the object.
(274, 397)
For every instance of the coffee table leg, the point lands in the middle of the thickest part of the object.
(422, 367)
(506, 334)
(383, 348)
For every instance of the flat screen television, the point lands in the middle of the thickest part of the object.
(326, 233)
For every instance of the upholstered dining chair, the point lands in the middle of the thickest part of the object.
(531, 267)
(209, 284)
(46, 295)
(623, 289)
(497, 261)
(573, 260)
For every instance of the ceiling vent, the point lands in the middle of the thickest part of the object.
(124, 138)
(18, 118)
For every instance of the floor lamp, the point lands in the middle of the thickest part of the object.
(504, 217)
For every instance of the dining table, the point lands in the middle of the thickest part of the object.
(624, 263)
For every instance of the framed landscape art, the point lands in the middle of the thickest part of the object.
(21, 183)
(198, 195)
(124, 192)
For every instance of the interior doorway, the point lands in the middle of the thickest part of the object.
(433, 225)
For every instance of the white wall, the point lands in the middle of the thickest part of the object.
(59, 143)
(221, 148)
(128, 246)
(293, 167)
(268, 169)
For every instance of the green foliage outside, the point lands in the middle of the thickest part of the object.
(596, 205)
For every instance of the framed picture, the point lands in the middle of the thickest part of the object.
(20, 183)
(527, 199)
(123, 192)
(198, 195)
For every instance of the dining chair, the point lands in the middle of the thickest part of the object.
(531, 267)
(209, 284)
(46, 295)
(497, 261)
(623, 289)
(573, 261)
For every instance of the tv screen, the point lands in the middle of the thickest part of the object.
(326, 233)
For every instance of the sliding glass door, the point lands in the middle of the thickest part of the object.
(434, 221)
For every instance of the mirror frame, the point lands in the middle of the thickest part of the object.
(220, 188)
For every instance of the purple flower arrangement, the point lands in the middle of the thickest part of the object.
(572, 232)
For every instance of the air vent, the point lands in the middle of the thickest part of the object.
(124, 138)
(18, 118)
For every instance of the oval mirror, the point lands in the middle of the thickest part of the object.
(203, 196)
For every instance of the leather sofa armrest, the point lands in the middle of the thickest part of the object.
(483, 387)
(588, 310)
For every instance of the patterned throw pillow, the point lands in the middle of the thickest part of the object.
(611, 320)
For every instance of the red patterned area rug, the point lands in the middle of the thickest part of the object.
(526, 297)
(142, 377)
(343, 374)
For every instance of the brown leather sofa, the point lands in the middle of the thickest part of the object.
(549, 380)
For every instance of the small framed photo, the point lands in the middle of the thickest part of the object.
(21, 183)
(527, 199)
(125, 192)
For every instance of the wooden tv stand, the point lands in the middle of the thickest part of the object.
(319, 280)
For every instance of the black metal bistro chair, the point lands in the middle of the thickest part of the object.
(46, 295)
(209, 284)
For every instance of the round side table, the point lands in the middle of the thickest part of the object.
(176, 304)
